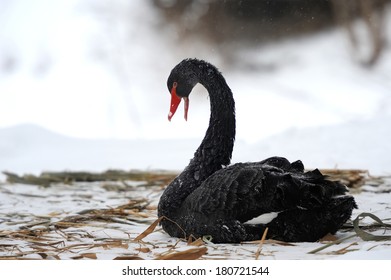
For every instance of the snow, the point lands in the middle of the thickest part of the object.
(360, 144)
(88, 92)
(300, 98)
(34, 209)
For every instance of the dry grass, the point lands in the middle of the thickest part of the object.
(116, 219)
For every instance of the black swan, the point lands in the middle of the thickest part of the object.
(212, 198)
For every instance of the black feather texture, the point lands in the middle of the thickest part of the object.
(209, 199)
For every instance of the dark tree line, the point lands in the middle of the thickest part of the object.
(259, 21)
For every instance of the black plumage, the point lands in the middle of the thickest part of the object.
(211, 198)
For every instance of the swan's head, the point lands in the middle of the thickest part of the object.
(180, 84)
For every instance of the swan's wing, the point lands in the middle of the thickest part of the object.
(247, 190)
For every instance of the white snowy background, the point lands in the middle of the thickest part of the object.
(83, 86)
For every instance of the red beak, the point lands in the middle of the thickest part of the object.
(175, 100)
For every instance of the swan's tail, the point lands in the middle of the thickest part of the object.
(301, 225)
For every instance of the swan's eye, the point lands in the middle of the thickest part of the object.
(174, 84)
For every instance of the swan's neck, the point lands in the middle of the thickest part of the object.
(216, 148)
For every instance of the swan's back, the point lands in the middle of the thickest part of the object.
(245, 191)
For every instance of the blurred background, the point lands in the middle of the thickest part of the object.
(83, 82)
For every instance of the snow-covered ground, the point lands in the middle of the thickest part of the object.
(102, 219)
(83, 87)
